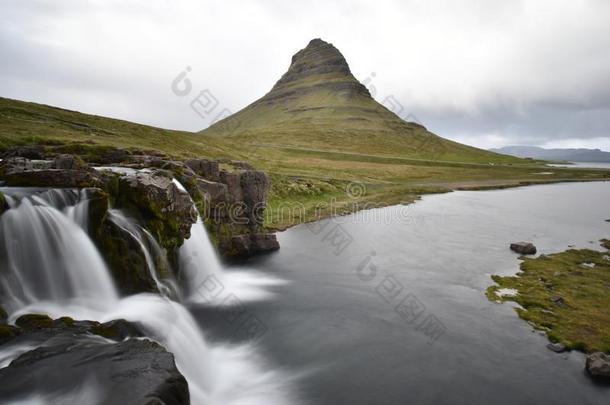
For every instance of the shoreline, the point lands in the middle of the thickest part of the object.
(463, 187)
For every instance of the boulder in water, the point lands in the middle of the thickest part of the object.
(598, 365)
(248, 245)
(265, 242)
(525, 248)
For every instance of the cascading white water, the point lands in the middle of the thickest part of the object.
(46, 256)
(200, 267)
(49, 265)
(198, 257)
(149, 247)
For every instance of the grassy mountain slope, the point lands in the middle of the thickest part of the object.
(25, 123)
(318, 104)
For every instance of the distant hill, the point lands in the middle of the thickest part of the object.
(319, 105)
(572, 155)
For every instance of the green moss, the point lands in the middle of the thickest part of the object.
(606, 243)
(7, 332)
(3, 315)
(3, 203)
(125, 259)
(99, 201)
(34, 321)
(580, 320)
(64, 321)
(106, 331)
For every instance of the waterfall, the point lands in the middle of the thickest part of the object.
(149, 247)
(50, 265)
(198, 259)
(47, 256)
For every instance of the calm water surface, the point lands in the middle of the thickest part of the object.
(398, 315)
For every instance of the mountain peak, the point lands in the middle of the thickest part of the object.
(318, 62)
(319, 104)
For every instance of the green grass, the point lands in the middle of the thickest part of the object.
(304, 177)
(583, 322)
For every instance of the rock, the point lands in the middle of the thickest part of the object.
(254, 185)
(524, 248)
(208, 169)
(557, 300)
(16, 165)
(118, 329)
(265, 242)
(68, 162)
(125, 259)
(3, 316)
(556, 347)
(168, 209)
(55, 178)
(21, 172)
(3, 203)
(7, 333)
(248, 245)
(240, 164)
(598, 365)
(215, 193)
(35, 152)
(233, 182)
(240, 246)
(34, 321)
(135, 371)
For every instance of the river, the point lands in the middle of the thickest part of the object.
(388, 306)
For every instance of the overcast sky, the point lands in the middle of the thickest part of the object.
(487, 73)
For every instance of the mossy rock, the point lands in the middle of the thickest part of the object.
(99, 202)
(7, 332)
(3, 203)
(119, 329)
(34, 321)
(125, 259)
(3, 316)
(64, 321)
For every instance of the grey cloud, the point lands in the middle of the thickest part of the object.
(486, 73)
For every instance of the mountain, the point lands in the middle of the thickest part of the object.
(572, 155)
(319, 105)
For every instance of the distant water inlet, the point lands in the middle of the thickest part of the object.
(50, 265)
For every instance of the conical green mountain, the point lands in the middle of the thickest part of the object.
(319, 104)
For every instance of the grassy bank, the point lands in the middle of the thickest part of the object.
(566, 294)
